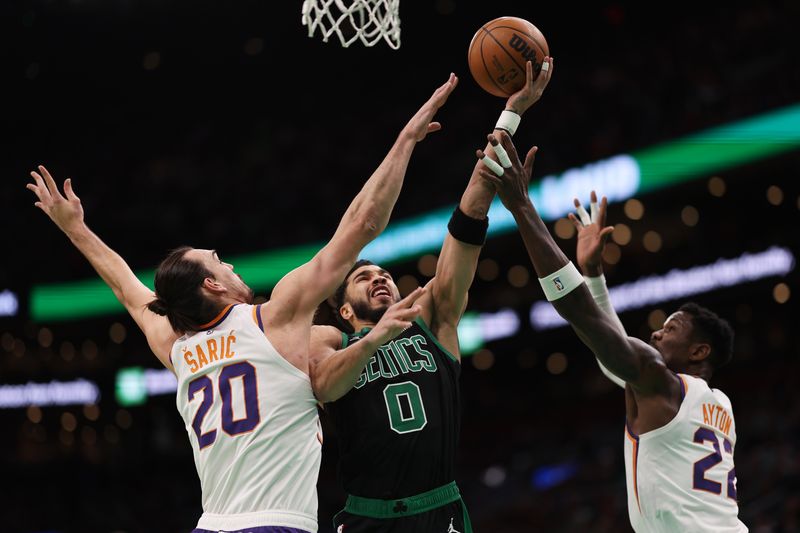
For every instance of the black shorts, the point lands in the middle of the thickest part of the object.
(448, 518)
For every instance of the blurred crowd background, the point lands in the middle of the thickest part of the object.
(224, 125)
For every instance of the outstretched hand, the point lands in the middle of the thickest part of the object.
(592, 234)
(512, 184)
(532, 91)
(398, 317)
(421, 123)
(65, 210)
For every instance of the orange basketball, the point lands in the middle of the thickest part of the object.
(498, 53)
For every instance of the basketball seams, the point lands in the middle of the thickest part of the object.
(502, 46)
(486, 70)
(494, 61)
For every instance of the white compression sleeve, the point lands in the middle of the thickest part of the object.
(597, 286)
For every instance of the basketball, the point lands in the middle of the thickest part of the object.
(499, 51)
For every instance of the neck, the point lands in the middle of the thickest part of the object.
(359, 324)
(698, 370)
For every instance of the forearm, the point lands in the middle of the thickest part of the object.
(599, 291)
(335, 375)
(107, 263)
(544, 253)
(594, 327)
(455, 269)
(478, 196)
(372, 207)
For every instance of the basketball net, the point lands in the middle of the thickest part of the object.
(367, 21)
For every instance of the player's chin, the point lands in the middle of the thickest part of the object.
(378, 309)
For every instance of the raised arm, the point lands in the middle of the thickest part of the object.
(335, 369)
(66, 211)
(592, 235)
(304, 288)
(634, 361)
(455, 269)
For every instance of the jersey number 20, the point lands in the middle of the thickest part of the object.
(230, 425)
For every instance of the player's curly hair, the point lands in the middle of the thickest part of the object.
(708, 327)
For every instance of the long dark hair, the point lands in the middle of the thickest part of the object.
(179, 296)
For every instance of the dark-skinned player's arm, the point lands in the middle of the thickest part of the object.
(592, 234)
(455, 270)
(637, 363)
(305, 287)
(335, 370)
(66, 211)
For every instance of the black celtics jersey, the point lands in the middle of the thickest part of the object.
(398, 427)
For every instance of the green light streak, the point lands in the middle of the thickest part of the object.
(661, 166)
(719, 148)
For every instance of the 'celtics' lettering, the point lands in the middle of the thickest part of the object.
(396, 357)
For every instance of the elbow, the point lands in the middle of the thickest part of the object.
(371, 227)
(120, 295)
(568, 312)
(326, 395)
(450, 311)
(323, 391)
(369, 217)
(368, 226)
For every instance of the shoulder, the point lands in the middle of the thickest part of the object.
(723, 398)
(327, 336)
(324, 342)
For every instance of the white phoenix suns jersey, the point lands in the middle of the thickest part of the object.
(253, 423)
(681, 476)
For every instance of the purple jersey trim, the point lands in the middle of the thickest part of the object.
(258, 315)
(260, 529)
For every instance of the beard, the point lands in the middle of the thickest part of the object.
(364, 312)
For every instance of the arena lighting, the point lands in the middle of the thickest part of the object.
(677, 283)
(546, 477)
(78, 392)
(9, 303)
(618, 178)
(475, 329)
(135, 384)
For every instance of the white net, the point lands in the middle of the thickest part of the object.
(368, 21)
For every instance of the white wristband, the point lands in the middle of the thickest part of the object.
(561, 282)
(508, 121)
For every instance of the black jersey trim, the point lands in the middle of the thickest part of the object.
(421, 323)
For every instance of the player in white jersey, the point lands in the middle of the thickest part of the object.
(243, 385)
(680, 434)
(231, 380)
(677, 472)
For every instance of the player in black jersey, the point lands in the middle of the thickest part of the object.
(390, 382)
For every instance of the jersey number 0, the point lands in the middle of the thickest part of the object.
(405, 407)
